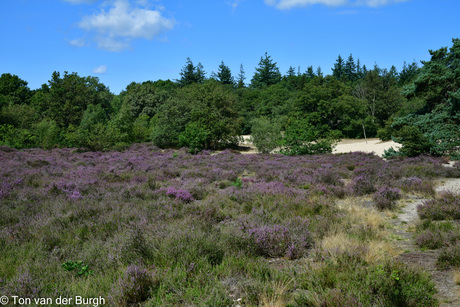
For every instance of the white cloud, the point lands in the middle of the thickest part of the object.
(79, 42)
(289, 4)
(100, 70)
(234, 4)
(122, 23)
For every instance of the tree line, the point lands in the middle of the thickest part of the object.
(417, 106)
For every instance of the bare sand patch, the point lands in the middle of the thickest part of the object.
(374, 145)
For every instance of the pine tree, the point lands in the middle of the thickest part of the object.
(200, 74)
(290, 72)
(191, 74)
(310, 72)
(338, 70)
(241, 77)
(319, 72)
(350, 69)
(267, 73)
(224, 75)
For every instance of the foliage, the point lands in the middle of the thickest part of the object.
(66, 98)
(47, 134)
(301, 139)
(267, 73)
(386, 197)
(202, 116)
(16, 137)
(437, 86)
(265, 134)
(191, 74)
(143, 98)
(414, 142)
(224, 75)
(13, 90)
(80, 268)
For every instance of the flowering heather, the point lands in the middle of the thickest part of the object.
(182, 195)
(446, 207)
(133, 287)
(363, 181)
(415, 184)
(200, 219)
(386, 197)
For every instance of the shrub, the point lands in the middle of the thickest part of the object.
(386, 197)
(265, 134)
(301, 138)
(47, 133)
(182, 195)
(446, 207)
(133, 287)
(363, 181)
(450, 256)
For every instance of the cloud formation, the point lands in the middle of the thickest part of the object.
(117, 27)
(79, 42)
(289, 4)
(100, 70)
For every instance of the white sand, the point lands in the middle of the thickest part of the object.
(371, 145)
(347, 145)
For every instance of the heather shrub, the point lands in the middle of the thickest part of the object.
(182, 195)
(386, 197)
(445, 207)
(291, 240)
(135, 247)
(387, 284)
(415, 184)
(134, 286)
(430, 239)
(24, 284)
(449, 257)
(363, 181)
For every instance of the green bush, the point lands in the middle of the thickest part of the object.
(16, 137)
(265, 134)
(414, 142)
(195, 137)
(301, 138)
(47, 133)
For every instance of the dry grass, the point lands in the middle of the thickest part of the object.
(456, 275)
(276, 296)
(378, 251)
(362, 215)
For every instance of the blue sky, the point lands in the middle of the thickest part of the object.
(121, 41)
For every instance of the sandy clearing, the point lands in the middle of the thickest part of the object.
(374, 145)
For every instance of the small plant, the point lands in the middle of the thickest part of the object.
(386, 197)
(80, 268)
(133, 287)
(180, 194)
(238, 183)
(447, 207)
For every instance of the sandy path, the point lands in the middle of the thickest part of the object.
(449, 292)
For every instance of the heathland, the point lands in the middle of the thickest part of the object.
(165, 227)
